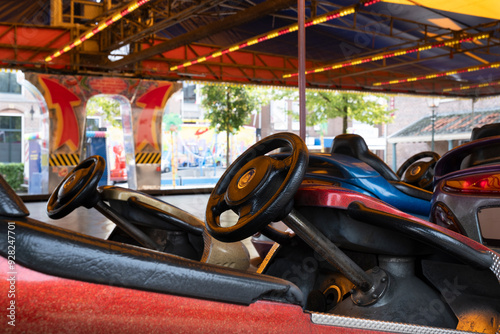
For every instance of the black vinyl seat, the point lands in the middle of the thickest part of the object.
(487, 154)
(488, 130)
(355, 146)
(63, 253)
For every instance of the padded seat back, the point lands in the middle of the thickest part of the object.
(483, 155)
(355, 146)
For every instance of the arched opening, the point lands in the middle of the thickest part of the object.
(108, 133)
(193, 152)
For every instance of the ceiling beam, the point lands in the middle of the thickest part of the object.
(169, 21)
(248, 15)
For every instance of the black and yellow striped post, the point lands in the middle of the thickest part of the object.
(148, 158)
(60, 160)
(148, 169)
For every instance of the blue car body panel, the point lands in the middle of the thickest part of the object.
(353, 174)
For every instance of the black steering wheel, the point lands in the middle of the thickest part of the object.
(257, 187)
(419, 173)
(78, 188)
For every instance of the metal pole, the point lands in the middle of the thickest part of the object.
(433, 121)
(328, 250)
(394, 157)
(126, 226)
(472, 116)
(302, 68)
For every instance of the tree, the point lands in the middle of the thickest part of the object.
(104, 105)
(324, 105)
(228, 108)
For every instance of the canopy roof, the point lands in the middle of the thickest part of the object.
(426, 47)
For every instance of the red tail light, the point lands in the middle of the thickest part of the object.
(480, 183)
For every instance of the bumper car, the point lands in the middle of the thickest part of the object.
(351, 165)
(352, 264)
(467, 190)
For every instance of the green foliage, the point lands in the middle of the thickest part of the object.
(172, 122)
(262, 96)
(13, 174)
(104, 105)
(324, 105)
(228, 107)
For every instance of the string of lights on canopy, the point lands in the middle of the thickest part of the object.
(277, 32)
(440, 74)
(100, 27)
(481, 85)
(390, 54)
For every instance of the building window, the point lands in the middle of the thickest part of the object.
(10, 138)
(93, 123)
(189, 93)
(8, 83)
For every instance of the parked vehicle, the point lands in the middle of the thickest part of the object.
(166, 162)
(352, 165)
(467, 188)
(418, 171)
(353, 264)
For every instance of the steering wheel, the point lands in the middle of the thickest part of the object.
(257, 187)
(419, 173)
(78, 188)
